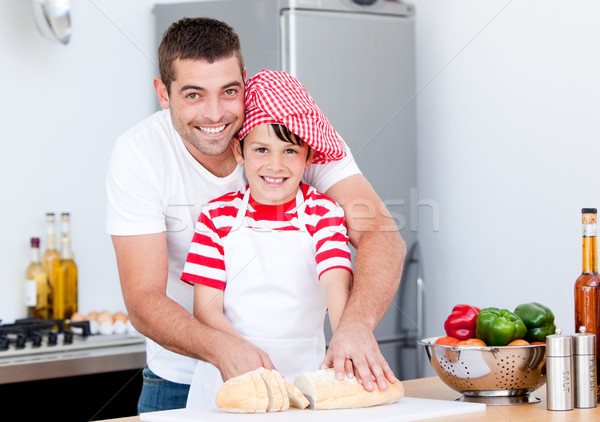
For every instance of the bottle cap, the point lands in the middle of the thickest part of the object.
(558, 345)
(589, 211)
(35, 242)
(584, 343)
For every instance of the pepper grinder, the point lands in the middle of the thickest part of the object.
(559, 370)
(584, 366)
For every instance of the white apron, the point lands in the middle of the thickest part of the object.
(272, 297)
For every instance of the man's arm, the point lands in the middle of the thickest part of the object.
(143, 265)
(380, 253)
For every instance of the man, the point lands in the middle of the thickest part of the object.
(161, 173)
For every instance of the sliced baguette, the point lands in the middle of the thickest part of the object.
(273, 390)
(262, 396)
(324, 391)
(295, 396)
(238, 395)
(284, 394)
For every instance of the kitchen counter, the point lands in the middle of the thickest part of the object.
(434, 388)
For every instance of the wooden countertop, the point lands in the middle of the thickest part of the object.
(434, 388)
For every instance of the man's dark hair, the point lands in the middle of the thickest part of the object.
(196, 39)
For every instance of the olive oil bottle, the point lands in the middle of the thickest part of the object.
(65, 276)
(51, 258)
(587, 299)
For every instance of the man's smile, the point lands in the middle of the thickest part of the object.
(212, 130)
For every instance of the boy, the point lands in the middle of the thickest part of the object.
(267, 261)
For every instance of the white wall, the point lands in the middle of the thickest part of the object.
(62, 109)
(508, 150)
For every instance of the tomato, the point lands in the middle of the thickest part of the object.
(519, 342)
(471, 342)
(447, 341)
(538, 342)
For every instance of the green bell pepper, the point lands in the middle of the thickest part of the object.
(538, 319)
(498, 327)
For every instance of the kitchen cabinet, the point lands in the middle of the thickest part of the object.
(75, 398)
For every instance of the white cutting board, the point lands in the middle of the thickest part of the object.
(407, 409)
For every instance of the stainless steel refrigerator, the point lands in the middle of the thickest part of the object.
(357, 60)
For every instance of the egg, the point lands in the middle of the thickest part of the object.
(120, 316)
(92, 316)
(76, 317)
(104, 316)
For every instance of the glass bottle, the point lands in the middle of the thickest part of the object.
(587, 300)
(65, 277)
(51, 257)
(36, 292)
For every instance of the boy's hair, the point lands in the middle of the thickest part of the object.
(285, 135)
(196, 39)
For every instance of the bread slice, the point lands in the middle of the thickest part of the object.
(238, 395)
(295, 396)
(273, 390)
(324, 391)
(262, 397)
(284, 394)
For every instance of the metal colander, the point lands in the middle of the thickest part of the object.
(491, 375)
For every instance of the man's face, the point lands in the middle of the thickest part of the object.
(206, 101)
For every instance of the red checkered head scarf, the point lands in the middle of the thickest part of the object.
(276, 97)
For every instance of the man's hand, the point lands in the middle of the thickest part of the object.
(380, 253)
(241, 356)
(353, 348)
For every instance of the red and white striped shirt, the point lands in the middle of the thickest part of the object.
(323, 219)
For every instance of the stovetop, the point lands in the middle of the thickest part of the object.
(33, 350)
(32, 338)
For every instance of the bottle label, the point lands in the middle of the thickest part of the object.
(30, 293)
(589, 230)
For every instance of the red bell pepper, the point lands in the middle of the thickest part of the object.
(461, 322)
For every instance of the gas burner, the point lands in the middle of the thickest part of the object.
(36, 333)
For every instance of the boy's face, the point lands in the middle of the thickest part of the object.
(273, 167)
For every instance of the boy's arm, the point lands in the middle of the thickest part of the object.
(208, 309)
(336, 286)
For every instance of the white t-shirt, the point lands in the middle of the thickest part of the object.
(154, 185)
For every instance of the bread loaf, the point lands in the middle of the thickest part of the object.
(324, 391)
(258, 391)
(264, 390)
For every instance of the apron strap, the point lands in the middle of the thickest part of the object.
(299, 209)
